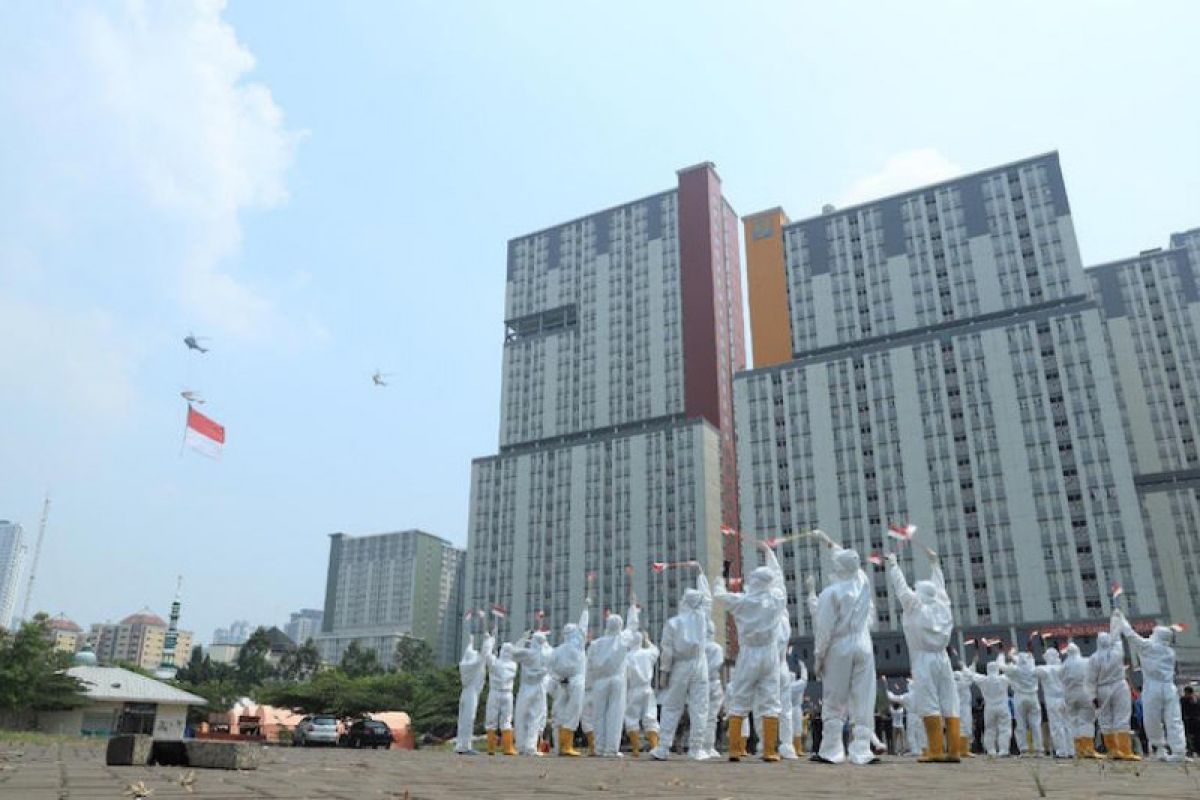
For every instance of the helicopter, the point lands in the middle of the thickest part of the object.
(192, 397)
(378, 378)
(193, 342)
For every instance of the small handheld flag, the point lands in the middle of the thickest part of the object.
(728, 531)
(1117, 591)
(499, 611)
(659, 566)
(904, 532)
(875, 559)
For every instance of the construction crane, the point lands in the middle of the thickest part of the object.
(37, 552)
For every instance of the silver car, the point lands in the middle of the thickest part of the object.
(316, 729)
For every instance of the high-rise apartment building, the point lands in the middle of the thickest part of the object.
(388, 586)
(937, 358)
(1151, 306)
(12, 555)
(623, 330)
(304, 624)
(138, 639)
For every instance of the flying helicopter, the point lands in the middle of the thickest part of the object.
(378, 378)
(192, 397)
(193, 342)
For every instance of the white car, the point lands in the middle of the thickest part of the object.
(316, 729)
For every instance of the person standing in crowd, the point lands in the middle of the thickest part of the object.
(472, 670)
(1190, 706)
(965, 683)
(681, 656)
(1050, 675)
(1107, 674)
(1160, 695)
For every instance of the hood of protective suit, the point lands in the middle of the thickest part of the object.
(693, 599)
(1025, 660)
(760, 579)
(993, 668)
(1072, 650)
(1103, 641)
(846, 563)
(927, 591)
(612, 625)
(539, 638)
(506, 651)
(1162, 635)
(572, 633)
(1051, 657)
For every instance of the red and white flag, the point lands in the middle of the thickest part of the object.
(735, 583)
(904, 532)
(659, 566)
(875, 559)
(470, 613)
(204, 435)
(499, 611)
(1179, 627)
(1117, 591)
(772, 542)
(728, 531)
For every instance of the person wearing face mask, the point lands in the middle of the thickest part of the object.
(755, 683)
(1107, 674)
(1022, 676)
(1081, 702)
(532, 652)
(997, 722)
(641, 705)
(965, 684)
(844, 659)
(928, 623)
(498, 713)
(607, 663)
(681, 654)
(917, 743)
(472, 671)
(568, 664)
(714, 655)
(1161, 708)
(1050, 676)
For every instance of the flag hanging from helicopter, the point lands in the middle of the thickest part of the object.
(204, 435)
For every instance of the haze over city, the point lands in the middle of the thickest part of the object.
(328, 192)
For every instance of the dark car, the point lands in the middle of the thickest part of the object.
(369, 733)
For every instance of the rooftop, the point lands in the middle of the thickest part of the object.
(114, 683)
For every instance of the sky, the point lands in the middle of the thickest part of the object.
(327, 189)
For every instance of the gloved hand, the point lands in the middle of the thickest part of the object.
(810, 583)
(892, 560)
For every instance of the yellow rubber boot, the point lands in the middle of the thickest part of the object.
(937, 741)
(954, 740)
(651, 740)
(591, 740)
(770, 739)
(737, 745)
(798, 745)
(1125, 743)
(635, 743)
(507, 746)
(1089, 748)
(1110, 744)
(491, 743)
(566, 743)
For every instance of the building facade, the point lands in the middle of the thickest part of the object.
(1151, 306)
(304, 624)
(138, 639)
(623, 330)
(385, 587)
(65, 635)
(947, 367)
(12, 556)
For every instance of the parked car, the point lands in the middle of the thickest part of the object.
(369, 733)
(316, 729)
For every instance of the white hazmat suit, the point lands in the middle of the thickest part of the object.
(844, 660)
(1050, 676)
(1113, 697)
(964, 681)
(641, 705)
(997, 721)
(1023, 678)
(1081, 696)
(472, 670)
(533, 655)
(568, 668)
(714, 654)
(498, 713)
(913, 726)
(682, 656)
(1161, 712)
(607, 665)
(796, 700)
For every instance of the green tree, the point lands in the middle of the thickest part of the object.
(413, 655)
(300, 665)
(32, 674)
(253, 669)
(358, 662)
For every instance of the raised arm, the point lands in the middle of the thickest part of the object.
(904, 593)
(803, 676)
(1136, 640)
(732, 599)
(666, 648)
(811, 583)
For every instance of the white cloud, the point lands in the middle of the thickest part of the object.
(900, 173)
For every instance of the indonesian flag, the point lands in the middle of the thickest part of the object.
(470, 613)
(968, 642)
(772, 542)
(875, 559)
(991, 642)
(1117, 591)
(499, 611)
(204, 435)
(659, 566)
(728, 531)
(735, 583)
(1179, 627)
(904, 532)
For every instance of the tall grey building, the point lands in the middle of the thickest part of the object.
(304, 624)
(384, 587)
(1151, 305)
(12, 555)
(622, 332)
(949, 368)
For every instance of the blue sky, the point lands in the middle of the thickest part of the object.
(326, 189)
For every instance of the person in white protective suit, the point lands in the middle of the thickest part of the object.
(918, 745)
(641, 706)
(607, 662)
(568, 668)
(928, 623)
(899, 743)
(681, 654)
(997, 721)
(796, 692)
(1050, 675)
(1162, 713)
(587, 719)
(1081, 698)
(964, 681)
(472, 670)
(1115, 701)
(498, 713)
(532, 653)
(755, 683)
(1022, 676)
(844, 660)
(714, 655)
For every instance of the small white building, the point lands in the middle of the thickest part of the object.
(120, 701)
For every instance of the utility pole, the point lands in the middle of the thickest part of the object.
(33, 565)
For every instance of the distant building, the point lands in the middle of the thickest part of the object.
(384, 587)
(223, 653)
(304, 624)
(237, 633)
(12, 552)
(138, 639)
(66, 635)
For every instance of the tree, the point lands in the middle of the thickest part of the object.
(33, 674)
(252, 665)
(300, 665)
(413, 655)
(358, 662)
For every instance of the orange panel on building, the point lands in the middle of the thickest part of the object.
(770, 326)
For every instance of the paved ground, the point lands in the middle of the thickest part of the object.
(77, 772)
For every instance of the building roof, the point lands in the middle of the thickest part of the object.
(144, 617)
(61, 623)
(114, 683)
